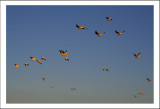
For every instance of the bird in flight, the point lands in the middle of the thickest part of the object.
(80, 27)
(105, 69)
(26, 64)
(44, 79)
(108, 19)
(63, 53)
(119, 33)
(149, 80)
(52, 87)
(43, 58)
(33, 58)
(16, 65)
(99, 34)
(39, 61)
(67, 58)
(137, 56)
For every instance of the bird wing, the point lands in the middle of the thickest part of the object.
(77, 26)
(96, 32)
(116, 31)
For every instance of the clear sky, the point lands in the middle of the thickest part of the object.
(43, 30)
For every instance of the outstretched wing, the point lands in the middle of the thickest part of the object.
(138, 53)
(116, 31)
(135, 54)
(107, 17)
(77, 26)
(96, 32)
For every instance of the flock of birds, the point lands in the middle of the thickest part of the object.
(65, 53)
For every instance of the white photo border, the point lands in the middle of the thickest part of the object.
(156, 54)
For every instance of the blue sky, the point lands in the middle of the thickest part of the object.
(43, 30)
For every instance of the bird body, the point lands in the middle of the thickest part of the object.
(16, 65)
(73, 89)
(22, 91)
(137, 56)
(44, 79)
(52, 87)
(43, 58)
(67, 58)
(39, 61)
(26, 64)
(105, 69)
(149, 80)
(99, 34)
(33, 58)
(80, 27)
(63, 53)
(119, 33)
(108, 19)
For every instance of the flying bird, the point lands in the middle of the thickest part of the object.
(149, 80)
(44, 79)
(80, 27)
(26, 64)
(33, 58)
(73, 89)
(63, 53)
(105, 69)
(67, 58)
(22, 91)
(39, 61)
(99, 34)
(16, 65)
(43, 58)
(52, 87)
(108, 19)
(137, 56)
(119, 33)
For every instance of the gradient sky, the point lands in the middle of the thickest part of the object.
(43, 30)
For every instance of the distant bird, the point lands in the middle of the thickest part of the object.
(137, 56)
(149, 80)
(43, 58)
(119, 33)
(99, 34)
(33, 58)
(63, 53)
(44, 79)
(26, 64)
(80, 27)
(108, 19)
(16, 65)
(39, 61)
(140, 93)
(73, 89)
(52, 87)
(67, 58)
(105, 69)
(22, 91)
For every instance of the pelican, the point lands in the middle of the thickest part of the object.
(80, 27)
(16, 65)
(26, 64)
(43, 58)
(63, 53)
(99, 34)
(108, 19)
(119, 33)
(137, 56)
